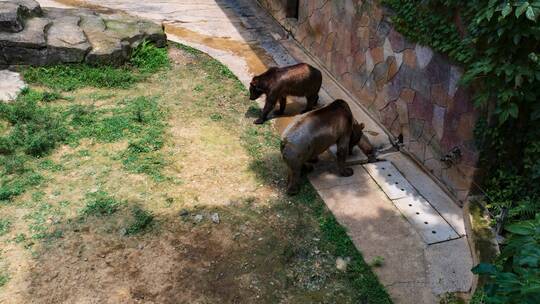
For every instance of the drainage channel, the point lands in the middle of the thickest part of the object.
(417, 210)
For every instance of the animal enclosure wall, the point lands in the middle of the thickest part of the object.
(410, 89)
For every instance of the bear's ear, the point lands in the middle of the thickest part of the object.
(254, 82)
(362, 126)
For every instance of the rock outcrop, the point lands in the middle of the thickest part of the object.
(30, 35)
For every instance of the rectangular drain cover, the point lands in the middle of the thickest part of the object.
(426, 220)
(390, 179)
(423, 217)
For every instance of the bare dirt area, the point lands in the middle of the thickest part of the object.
(165, 192)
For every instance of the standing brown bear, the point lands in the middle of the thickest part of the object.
(278, 83)
(313, 133)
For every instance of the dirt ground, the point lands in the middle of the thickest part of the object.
(222, 231)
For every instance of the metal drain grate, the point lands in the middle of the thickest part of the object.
(390, 179)
(423, 217)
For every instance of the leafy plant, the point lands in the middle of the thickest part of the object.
(5, 225)
(142, 220)
(100, 204)
(149, 59)
(516, 278)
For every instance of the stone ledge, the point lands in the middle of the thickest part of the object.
(73, 36)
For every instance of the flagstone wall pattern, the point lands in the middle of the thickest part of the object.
(410, 89)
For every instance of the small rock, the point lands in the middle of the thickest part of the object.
(11, 85)
(341, 263)
(140, 247)
(215, 218)
(199, 218)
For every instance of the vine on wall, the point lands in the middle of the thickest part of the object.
(498, 44)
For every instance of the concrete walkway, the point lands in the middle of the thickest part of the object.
(243, 37)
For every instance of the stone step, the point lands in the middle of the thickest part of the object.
(13, 13)
(66, 41)
(72, 36)
(10, 17)
(27, 46)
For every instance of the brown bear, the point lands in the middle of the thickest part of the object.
(313, 133)
(278, 83)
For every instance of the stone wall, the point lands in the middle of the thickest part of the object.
(410, 89)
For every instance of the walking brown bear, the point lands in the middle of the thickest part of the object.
(278, 83)
(313, 133)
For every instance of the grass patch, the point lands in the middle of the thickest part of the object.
(72, 77)
(149, 59)
(100, 204)
(377, 261)
(11, 186)
(186, 48)
(34, 129)
(146, 59)
(41, 220)
(5, 225)
(4, 278)
(143, 153)
(142, 220)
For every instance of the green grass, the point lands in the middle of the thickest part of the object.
(186, 48)
(142, 221)
(145, 59)
(5, 225)
(100, 204)
(4, 278)
(42, 219)
(377, 261)
(149, 59)
(37, 127)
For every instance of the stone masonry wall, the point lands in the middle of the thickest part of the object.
(410, 89)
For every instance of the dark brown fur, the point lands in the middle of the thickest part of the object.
(313, 133)
(278, 83)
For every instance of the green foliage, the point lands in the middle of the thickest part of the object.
(149, 59)
(142, 154)
(72, 77)
(430, 23)
(142, 220)
(377, 261)
(4, 278)
(40, 219)
(14, 185)
(100, 203)
(146, 58)
(35, 129)
(516, 278)
(5, 225)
